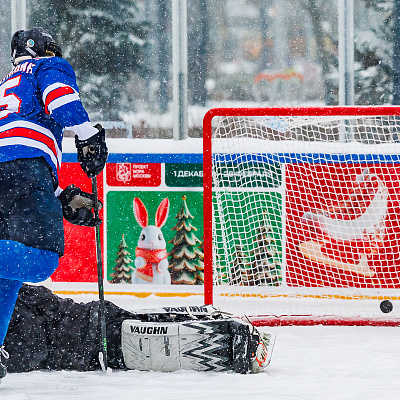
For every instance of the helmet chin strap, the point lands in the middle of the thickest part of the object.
(31, 52)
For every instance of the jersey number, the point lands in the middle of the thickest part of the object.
(9, 103)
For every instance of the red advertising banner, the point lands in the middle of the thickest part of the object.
(79, 261)
(342, 225)
(134, 174)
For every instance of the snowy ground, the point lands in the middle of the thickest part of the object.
(308, 363)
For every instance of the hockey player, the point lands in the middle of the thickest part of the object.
(38, 99)
(49, 332)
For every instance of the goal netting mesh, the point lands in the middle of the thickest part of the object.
(306, 214)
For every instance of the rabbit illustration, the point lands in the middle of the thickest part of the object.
(151, 254)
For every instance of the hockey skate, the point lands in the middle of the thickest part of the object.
(356, 222)
(3, 369)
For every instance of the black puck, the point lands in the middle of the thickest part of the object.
(386, 306)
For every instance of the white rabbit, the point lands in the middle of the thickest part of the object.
(151, 255)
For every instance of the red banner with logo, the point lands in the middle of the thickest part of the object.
(134, 174)
(79, 262)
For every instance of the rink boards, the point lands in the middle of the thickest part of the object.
(150, 170)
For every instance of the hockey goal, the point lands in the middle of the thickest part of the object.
(302, 213)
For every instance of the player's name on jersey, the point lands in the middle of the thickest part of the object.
(24, 67)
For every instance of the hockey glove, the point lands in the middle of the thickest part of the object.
(92, 152)
(77, 207)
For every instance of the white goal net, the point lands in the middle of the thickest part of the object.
(305, 211)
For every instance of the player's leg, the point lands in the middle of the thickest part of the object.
(69, 338)
(19, 263)
(8, 296)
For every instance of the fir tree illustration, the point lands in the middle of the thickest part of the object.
(266, 265)
(241, 271)
(186, 260)
(122, 269)
(222, 274)
(200, 270)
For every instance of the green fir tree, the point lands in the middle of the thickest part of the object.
(240, 270)
(267, 259)
(186, 260)
(222, 270)
(200, 269)
(122, 269)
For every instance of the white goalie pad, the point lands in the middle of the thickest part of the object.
(216, 345)
(173, 346)
(150, 346)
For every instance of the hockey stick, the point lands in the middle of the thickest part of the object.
(102, 319)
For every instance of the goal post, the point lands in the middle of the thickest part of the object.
(302, 213)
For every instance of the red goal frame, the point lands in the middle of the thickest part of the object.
(208, 210)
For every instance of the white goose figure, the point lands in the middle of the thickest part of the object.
(342, 226)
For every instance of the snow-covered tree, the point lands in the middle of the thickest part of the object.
(103, 40)
(320, 14)
(373, 55)
(373, 50)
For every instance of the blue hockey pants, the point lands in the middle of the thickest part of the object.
(31, 230)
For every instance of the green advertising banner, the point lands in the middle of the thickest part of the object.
(253, 243)
(250, 174)
(183, 233)
(184, 175)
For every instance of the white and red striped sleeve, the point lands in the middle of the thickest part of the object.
(57, 95)
(60, 95)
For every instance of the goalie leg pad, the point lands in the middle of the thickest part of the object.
(201, 345)
(150, 346)
(206, 345)
(170, 346)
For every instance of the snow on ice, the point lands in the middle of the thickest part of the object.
(319, 362)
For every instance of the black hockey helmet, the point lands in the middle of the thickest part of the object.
(35, 42)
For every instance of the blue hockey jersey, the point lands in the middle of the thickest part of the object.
(38, 99)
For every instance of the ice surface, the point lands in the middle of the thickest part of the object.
(308, 363)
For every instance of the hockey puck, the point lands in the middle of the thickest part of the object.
(386, 306)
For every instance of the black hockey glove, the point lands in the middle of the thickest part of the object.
(77, 207)
(92, 152)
